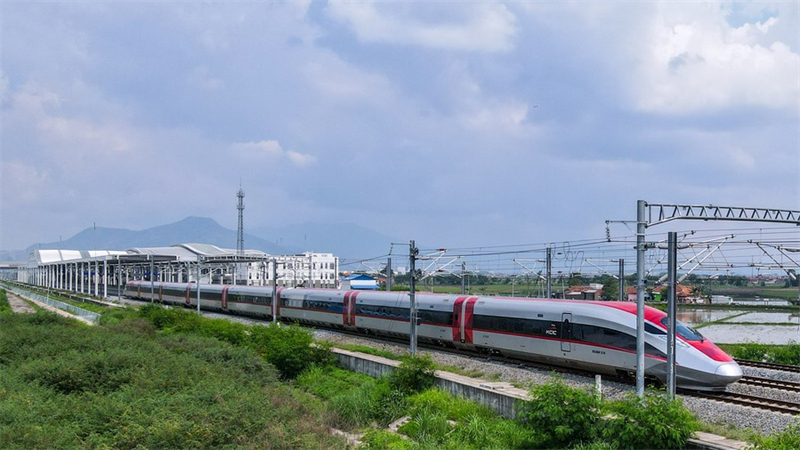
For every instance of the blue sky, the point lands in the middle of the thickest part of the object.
(454, 123)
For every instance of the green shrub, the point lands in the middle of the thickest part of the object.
(389, 403)
(224, 330)
(475, 426)
(787, 354)
(72, 371)
(455, 408)
(654, 422)
(356, 408)
(288, 348)
(563, 415)
(112, 316)
(415, 374)
(376, 439)
(428, 425)
(90, 387)
(171, 319)
(788, 439)
(329, 381)
(779, 354)
(5, 308)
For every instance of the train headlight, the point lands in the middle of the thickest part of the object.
(729, 370)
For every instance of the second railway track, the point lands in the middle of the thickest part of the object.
(765, 365)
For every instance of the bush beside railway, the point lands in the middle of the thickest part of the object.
(778, 354)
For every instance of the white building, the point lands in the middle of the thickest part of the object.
(316, 270)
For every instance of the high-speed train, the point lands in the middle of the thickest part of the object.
(591, 335)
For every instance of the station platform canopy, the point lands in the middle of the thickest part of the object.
(175, 253)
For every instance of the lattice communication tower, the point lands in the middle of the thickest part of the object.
(240, 229)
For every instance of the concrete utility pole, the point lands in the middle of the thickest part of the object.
(198, 284)
(463, 277)
(549, 263)
(389, 275)
(152, 281)
(672, 270)
(119, 280)
(413, 251)
(274, 290)
(640, 226)
(622, 280)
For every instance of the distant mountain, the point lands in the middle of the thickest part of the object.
(189, 230)
(345, 240)
(13, 255)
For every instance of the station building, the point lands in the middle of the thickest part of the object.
(92, 272)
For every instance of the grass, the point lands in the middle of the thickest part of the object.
(65, 385)
(5, 308)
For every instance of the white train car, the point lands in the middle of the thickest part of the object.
(591, 335)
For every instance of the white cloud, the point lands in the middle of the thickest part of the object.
(65, 136)
(270, 151)
(699, 62)
(497, 117)
(483, 27)
(339, 80)
(3, 86)
(202, 79)
(22, 184)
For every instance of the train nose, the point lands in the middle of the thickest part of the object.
(729, 372)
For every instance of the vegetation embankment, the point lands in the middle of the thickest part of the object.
(170, 378)
(67, 385)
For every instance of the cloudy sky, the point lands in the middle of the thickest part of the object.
(459, 123)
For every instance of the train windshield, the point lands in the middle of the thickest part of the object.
(684, 331)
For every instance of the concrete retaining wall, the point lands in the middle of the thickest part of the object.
(499, 397)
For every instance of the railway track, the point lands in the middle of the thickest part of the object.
(764, 365)
(751, 401)
(789, 386)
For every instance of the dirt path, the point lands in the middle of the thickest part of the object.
(19, 305)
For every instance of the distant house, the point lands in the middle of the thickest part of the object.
(630, 292)
(359, 282)
(685, 294)
(591, 292)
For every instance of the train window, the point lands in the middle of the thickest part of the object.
(382, 311)
(513, 325)
(603, 336)
(650, 350)
(652, 329)
(436, 317)
(685, 331)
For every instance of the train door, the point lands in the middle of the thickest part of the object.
(188, 294)
(566, 332)
(277, 306)
(225, 297)
(349, 303)
(458, 324)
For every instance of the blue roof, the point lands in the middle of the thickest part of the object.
(358, 276)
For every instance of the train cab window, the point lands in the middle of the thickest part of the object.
(652, 329)
(685, 331)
